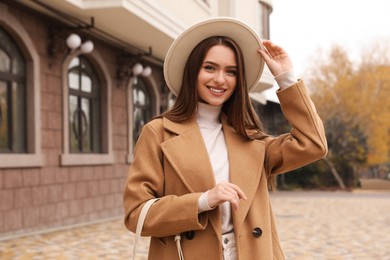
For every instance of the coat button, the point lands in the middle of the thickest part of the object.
(256, 232)
(189, 235)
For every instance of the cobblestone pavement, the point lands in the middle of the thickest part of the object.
(312, 225)
(336, 225)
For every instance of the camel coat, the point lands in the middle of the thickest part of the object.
(171, 162)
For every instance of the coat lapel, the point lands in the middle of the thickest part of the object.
(188, 155)
(246, 160)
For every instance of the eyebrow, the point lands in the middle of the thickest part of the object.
(216, 64)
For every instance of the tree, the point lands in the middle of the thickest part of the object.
(347, 148)
(353, 99)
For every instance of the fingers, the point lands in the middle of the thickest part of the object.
(272, 52)
(233, 194)
(273, 49)
(224, 192)
(240, 193)
(266, 56)
(277, 59)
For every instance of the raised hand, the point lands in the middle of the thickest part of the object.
(277, 59)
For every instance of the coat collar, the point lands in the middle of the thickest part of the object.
(188, 155)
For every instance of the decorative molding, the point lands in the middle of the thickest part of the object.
(86, 159)
(34, 157)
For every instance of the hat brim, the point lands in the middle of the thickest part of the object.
(238, 31)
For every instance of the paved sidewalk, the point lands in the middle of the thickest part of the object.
(334, 225)
(312, 225)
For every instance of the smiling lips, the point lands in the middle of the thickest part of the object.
(216, 91)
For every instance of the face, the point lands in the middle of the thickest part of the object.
(217, 77)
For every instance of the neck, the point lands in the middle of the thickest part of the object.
(208, 114)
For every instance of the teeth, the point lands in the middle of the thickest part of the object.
(216, 90)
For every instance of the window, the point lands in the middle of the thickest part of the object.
(87, 131)
(144, 102)
(20, 128)
(142, 107)
(84, 107)
(12, 97)
(264, 13)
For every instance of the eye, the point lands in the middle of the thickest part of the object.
(231, 72)
(209, 68)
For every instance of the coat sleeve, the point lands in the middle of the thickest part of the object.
(169, 215)
(306, 141)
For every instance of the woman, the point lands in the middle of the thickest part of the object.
(207, 158)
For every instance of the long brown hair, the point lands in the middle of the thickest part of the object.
(238, 107)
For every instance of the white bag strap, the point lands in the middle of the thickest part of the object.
(178, 245)
(140, 224)
(141, 221)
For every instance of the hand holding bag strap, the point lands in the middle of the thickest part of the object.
(141, 221)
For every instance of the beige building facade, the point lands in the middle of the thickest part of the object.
(78, 79)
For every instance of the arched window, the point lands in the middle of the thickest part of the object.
(13, 137)
(144, 102)
(84, 107)
(142, 107)
(20, 126)
(87, 138)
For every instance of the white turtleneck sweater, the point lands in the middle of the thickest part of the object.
(207, 118)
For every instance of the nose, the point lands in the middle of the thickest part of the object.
(219, 77)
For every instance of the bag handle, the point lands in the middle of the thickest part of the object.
(141, 221)
(140, 224)
(178, 246)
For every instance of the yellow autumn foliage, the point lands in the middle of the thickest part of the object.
(355, 92)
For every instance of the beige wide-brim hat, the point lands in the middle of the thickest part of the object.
(241, 33)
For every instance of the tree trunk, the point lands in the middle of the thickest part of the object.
(335, 173)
